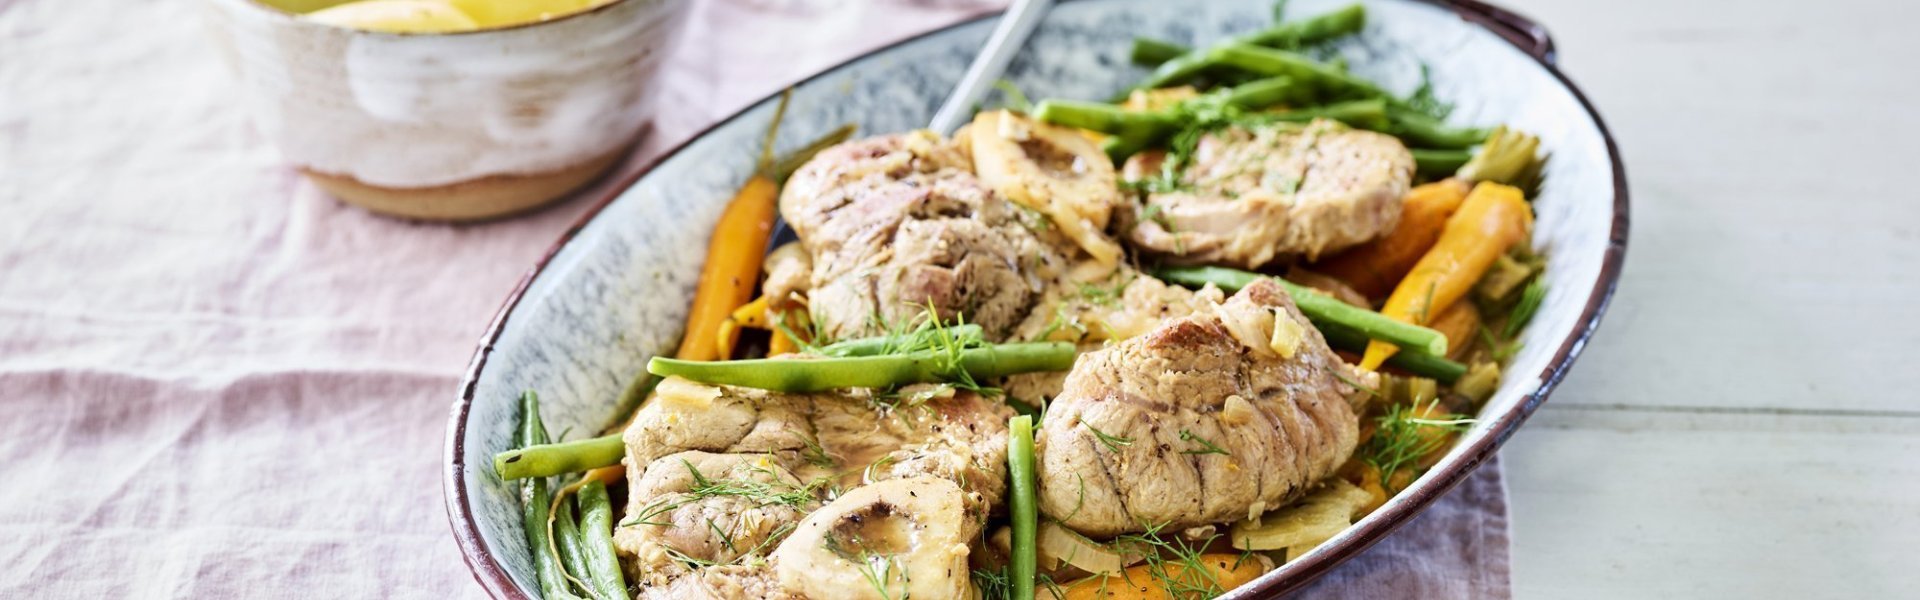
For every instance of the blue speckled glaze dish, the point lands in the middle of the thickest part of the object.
(614, 290)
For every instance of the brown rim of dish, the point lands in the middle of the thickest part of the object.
(281, 13)
(1519, 31)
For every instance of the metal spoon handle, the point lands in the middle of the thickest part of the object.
(1021, 18)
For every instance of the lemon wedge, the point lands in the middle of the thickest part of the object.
(498, 13)
(397, 16)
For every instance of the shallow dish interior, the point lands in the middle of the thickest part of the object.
(615, 293)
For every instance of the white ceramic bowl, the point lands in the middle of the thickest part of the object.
(458, 126)
(614, 291)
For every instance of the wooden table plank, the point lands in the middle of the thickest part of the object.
(1678, 504)
(1774, 243)
(1741, 425)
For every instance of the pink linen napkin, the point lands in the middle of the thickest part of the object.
(217, 382)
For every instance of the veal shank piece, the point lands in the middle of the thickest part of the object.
(1235, 409)
(897, 223)
(723, 476)
(1252, 195)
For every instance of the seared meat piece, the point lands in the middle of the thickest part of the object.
(902, 538)
(1123, 305)
(1119, 306)
(1055, 170)
(1253, 195)
(767, 459)
(789, 274)
(955, 435)
(1131, 441)
(897, 223)
(688, 416)
(856, 440)
(723, 582)
(710, 507)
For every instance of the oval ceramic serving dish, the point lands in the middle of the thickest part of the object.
(614, 290)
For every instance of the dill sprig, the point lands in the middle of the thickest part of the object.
(866, 473)
(1207, 447)
(1080, 498)
(1423, 99)
(1498, 350)
(690, 561)
(1105, 295)
(1112, 442)
(760, 493)
(1062, 320)
(813, 342)
(815, 454)
(1173, 562)
(1350, 382)
(926, 333)
(1013, 99)
(993, 584)
(952, 348)
(773, 537)
(1402, 437)
(1523, 310)
(879, 570)
(1034, 220)
(725, 535)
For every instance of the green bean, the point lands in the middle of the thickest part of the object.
(546, 566)
(1439, 163)
(1150, 52)
(1178, 69)
(1364, 114)
(596, 532)
(1318, 307)
(812, 375)
(1262, 93)
(1333, 83)
(1174, 72)
(969, 333)
(1133, 131)
(1341, 337)
(1120, 147)
(573, 552)
(1429, 132)
(1317, 28)
(1105, 118)
(547, 460)
(1022, 505)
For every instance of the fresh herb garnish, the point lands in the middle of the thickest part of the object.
(814, 341)
(760, 493)
(1524, 309)
(879, 570)
(1423, 98)
(1113, 443)
(1015, 100)
(1499, 351)
(682, 557)
(1173, 562)
(1105, 295)
(1355, 384)
(726, 537)
(1426, 305)
(1207, 447)
(1402, 437)
(993, 584)
(815, 454)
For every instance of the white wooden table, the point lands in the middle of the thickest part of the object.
(1747, 421)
